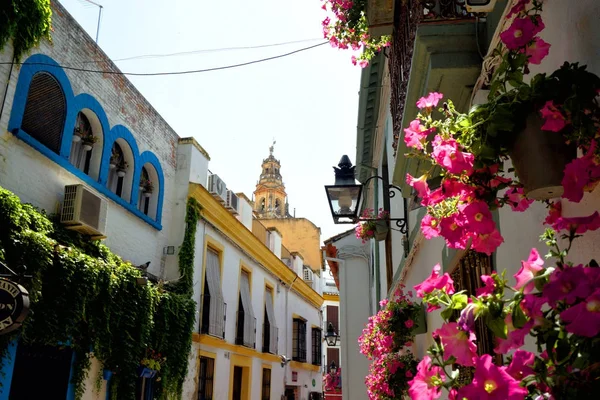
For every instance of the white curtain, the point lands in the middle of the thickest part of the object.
(213, 278)
(271, 315)
(249, 334)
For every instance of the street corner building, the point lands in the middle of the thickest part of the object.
(225, 293)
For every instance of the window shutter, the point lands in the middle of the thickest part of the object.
(332, 316)
(45, 111)
(333, 354)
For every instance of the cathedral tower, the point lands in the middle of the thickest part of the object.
(270, 199)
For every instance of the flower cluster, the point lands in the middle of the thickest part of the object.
(349, 29)
(383, 341)
(557, 304)
(366, 230)
(154, 360)
(147, 185)
(332, 381)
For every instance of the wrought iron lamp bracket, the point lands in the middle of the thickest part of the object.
(401, 223)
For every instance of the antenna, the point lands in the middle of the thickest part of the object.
(100, 7)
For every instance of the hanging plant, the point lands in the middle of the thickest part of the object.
(374, 228)
(26, 22)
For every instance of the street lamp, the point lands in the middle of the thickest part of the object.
(331, 337)
(345, 196)
(332, 367)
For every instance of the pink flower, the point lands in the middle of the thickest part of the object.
(583, 319)
(454, 234)
(529, 268)
(420, 185)
(579, 224)
(487, 243)
(515, 337)
(568, 284)
(537, 51)
(453, 188)
(353, 59)
(430, 227)
(430, 101)
(491, 382)
(426, 384)
(532, 307)
(521, 365)
(478, 217)
(554, 213)
(554, 120)
(408, 374)
(457, 343)
(488, 289)
(409, 323)
(435, 282)
(415, 134)
(363, 63)
(519, 33)
(580, 174)
(517, 199)
(517, 8)
(447, 154)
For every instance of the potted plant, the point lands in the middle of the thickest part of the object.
(537, 125)
(114, 160)
(148, 188)
(122, 169)
(150, 365)
(374, 226)
(77, 133)
(88, 141)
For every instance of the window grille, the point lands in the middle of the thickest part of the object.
(316, 346)
(45, 111)
(206, 378)
(299, 340)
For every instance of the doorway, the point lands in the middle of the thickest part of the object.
(237, 382)
(290, 393)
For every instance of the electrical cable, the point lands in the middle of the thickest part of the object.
(109, 72)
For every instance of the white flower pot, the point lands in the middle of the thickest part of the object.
(141, 188)
(76, 138)
(87, 147)
(112, 165)
(121, 173)
(147, 194)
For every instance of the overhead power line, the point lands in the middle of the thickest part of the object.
(196, 71)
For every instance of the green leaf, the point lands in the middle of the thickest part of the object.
(518, 316)
(459, 301)
(497, 326)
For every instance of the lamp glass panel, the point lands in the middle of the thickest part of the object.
(344, 200)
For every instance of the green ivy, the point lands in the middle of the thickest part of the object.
(26, 22)
(84, 295)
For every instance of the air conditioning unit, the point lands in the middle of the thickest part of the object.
(217, 188)
(232, 202)
(84, 211)
(308, 275)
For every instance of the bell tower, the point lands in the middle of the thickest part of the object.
(270, 199)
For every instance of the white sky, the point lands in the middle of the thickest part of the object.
(308, 101)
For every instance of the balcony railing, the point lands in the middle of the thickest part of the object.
(213, 323)
(270, 335)
(245, 336)
(409, 14)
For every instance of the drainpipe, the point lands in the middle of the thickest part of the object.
(377, 255)
(287, 294)
(12, 64)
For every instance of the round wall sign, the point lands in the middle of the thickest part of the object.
(14, 305)
(314, 383)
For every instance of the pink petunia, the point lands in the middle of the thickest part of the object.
(454, 188)
(430, 227)
(583, 319)
(478, 217)
(420, 185)
(529, 268)
(532, 307)
(554, 213)
(457, 343)
(580, 175)
(517, 200)
(415, 134)
(554, 121)
(579, 224)
(521, 32)
(409, 323)
(537, 51)
(514, 339)
(488, 287)
(435, 282)
(487, 243)
(430, 101)
(454, 234)
(517, 8)
(521, 365)
(426, 385)
(447, 154)
(491, 382)
(568, 284)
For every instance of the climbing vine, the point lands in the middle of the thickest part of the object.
(26, 22)
(186, 252)
(84, 295)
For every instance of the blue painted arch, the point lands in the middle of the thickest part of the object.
(74, 104)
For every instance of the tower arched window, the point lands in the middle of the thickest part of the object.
(45, 111)
(86, 148)
(262, 204)
(277, 207)
(148, 191)
(120, 176)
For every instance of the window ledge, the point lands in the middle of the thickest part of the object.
(22, 135)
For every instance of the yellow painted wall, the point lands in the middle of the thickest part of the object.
(299, 235)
